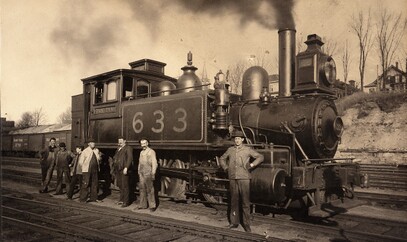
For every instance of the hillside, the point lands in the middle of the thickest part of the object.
(375, 128)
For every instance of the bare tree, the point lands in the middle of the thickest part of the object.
(300, 43)
(27, 120)
(345, 64)
(362, 26)
(39, 116)
(261, 59)
(235, 76)
(330, 46)
(65, 117)
(390, 31)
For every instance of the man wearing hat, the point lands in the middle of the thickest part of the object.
(62, 161)
(238, 169)
(89, 160)
(123, 161)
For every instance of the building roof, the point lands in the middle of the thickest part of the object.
(43, 129)
(374, 83)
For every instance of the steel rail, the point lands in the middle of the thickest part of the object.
(158, 222)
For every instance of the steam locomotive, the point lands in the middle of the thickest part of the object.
(189, 126)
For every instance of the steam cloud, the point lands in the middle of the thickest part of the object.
(80, 35)
(248, 10)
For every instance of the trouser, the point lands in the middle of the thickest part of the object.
(146, 187)
(44, 169)
(76, 179)
(63, 174)
(89, 182)
(125, 189)
(239, 192)
(118, 179)
(50, 171)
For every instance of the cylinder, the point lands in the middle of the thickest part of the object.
(286, 52)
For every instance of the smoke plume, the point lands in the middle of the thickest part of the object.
(257, 11)
(80, 35)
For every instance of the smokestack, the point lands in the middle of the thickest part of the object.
(286, 53)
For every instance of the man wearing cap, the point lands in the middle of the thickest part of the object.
(89, 160)
(123, 161)
(238, 169)
(62, 161)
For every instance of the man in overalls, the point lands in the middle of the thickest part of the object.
(146, 170)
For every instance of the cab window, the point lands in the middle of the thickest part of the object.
(127, 87)
(106, 91)
(143, 89)
(111, 90)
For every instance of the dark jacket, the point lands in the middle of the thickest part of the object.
(63, 159)
(76, 167)
(45, 152)
(124, 159)
(239, 161)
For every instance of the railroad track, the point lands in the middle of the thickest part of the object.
(344, 227)
(337, 227)
(386, 176)
(76, 221)
(93, 223)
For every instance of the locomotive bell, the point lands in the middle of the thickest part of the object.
(189, 81)
(163, 88)
(254, 80)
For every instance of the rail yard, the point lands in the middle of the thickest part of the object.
(187, 220)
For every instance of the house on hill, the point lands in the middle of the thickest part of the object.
(395, 81)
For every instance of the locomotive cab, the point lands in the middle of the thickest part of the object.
(98, 111)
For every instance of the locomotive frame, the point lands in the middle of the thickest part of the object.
(189, 126)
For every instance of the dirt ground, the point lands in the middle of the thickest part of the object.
(219, 219)
(370, 129)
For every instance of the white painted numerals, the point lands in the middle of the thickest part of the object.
(181, 120)
(158, 121)
(137, 123)
(179, 127)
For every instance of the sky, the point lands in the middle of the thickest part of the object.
(48, 46)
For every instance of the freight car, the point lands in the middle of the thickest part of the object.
(27, 142)
(189, 126)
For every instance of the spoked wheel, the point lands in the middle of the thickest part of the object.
(172, 187)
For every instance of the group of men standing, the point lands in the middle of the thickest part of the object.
(83, 167)
(236, 161)
(79, 168)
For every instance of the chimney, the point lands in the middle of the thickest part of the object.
(286, 52)
(397, 65)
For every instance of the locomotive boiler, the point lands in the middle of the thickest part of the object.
(189, 126)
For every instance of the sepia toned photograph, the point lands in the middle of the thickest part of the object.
(203, 120)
